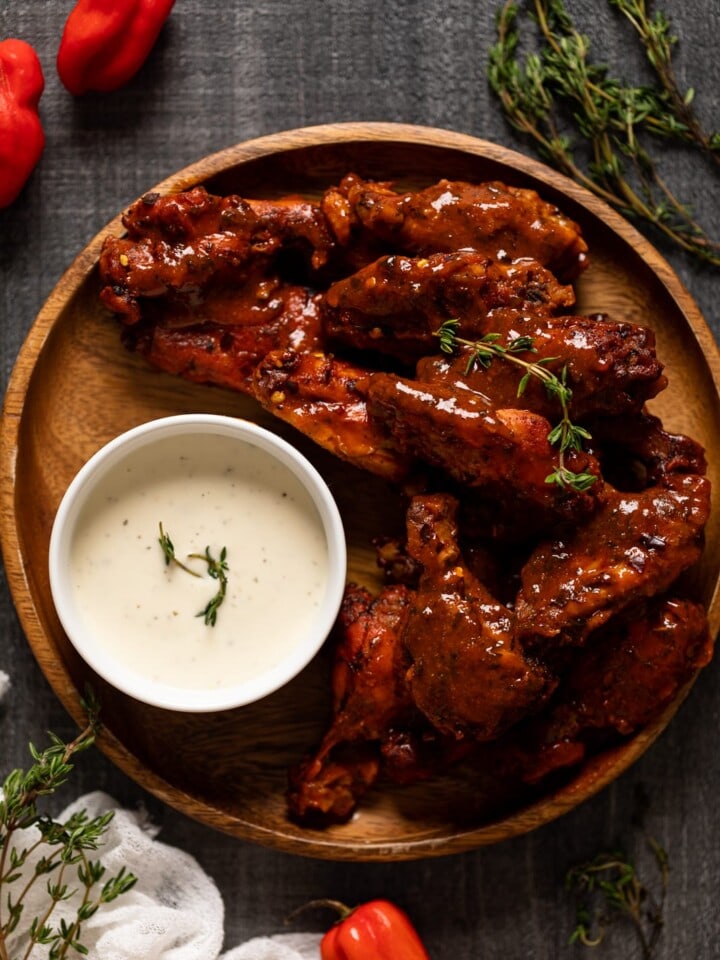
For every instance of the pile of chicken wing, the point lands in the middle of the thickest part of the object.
(528, 620)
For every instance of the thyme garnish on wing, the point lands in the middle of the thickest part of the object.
(559, 92)
(65, 868)
(608, 888)
(566, 435)
(217, 569)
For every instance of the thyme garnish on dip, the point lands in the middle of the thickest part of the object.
(217, 569)
(561, 100)
(566, 435)
(64, 867)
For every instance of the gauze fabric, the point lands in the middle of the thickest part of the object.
(174, 912)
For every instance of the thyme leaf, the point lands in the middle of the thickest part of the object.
(565, 435)
(559, 98)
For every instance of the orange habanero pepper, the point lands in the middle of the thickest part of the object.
(21, 134)
(377, 930)
(105, 42)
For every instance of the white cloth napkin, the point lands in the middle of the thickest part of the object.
(174, 912)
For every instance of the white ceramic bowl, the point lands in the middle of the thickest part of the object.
(138, 621)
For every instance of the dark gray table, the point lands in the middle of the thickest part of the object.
(227, 71)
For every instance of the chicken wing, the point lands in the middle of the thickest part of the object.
(179, 243)
(231, 333)
(468, 673)
(640, 440)
(610, 367)
(505, 453)
(635, 546)
(497, 221)
(326, 399)
(369, 694)
(396, 304)
(630, 673)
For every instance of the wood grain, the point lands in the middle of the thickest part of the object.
(73, 388)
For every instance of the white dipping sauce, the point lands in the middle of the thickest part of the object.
(207, 492)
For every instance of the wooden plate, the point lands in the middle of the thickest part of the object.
(74, 387)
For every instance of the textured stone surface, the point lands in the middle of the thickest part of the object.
(226, 71)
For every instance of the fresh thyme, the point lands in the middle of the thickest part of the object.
(68, 843)
(168, 549)
(566, 435)
(560, 87)
(608, 888)
(217, 569)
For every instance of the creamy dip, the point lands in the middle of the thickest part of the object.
(207, 491)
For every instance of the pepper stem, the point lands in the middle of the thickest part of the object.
(341, 909)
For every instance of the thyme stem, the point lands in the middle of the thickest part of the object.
(559, 87)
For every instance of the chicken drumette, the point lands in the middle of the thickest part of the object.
(369, 695)
(178, 243)
(468, 673)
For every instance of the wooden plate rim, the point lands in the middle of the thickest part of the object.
(599, 772)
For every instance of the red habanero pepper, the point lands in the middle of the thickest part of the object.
(105, 42)
(377, 930)
(21, 134)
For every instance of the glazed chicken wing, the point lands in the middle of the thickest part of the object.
(635, 546)
(369, 693)
(640, 439)
(468, 673)
(610, 367)
(179, 243)
(630, 673)
(326, 399)
(505, 453)
(191, 214)
(495, 220)
(230, 335)
(396, 304)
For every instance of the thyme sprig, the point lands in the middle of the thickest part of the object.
(566, 435)
(216, 568)
(168, 549)
(680, 122)
(559, 89)
(608, 888)
(65, 867)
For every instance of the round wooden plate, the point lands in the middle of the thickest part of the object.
(74, 387)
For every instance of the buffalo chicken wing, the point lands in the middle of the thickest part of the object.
(495, 220)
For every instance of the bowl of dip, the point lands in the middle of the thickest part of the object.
(197, 562)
